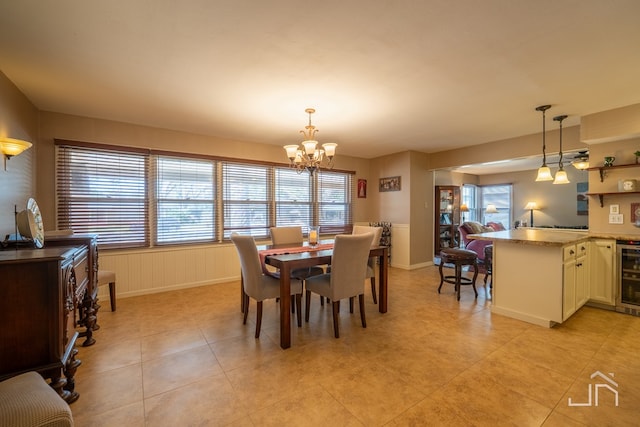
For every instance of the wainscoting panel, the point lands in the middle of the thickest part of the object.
(140, 272)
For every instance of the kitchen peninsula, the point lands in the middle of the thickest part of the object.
(539, 276)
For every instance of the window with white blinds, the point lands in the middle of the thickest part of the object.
(185, 200)
(245, 197)
(335, 192)
(103, 192)
(293, 198)
(137, 198)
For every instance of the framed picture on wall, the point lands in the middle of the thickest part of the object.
(362, 188)
(391, 183)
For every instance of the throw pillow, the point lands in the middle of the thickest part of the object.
(473, 227)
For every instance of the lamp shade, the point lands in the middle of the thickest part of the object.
(491, 209)
(12, 147)
(544, 174)
(464, 208)
(531, 205)
(561, 177)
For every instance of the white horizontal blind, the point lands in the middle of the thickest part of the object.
(335, 192)
(245, 198)
(185, 200)
(103, 192)
(130, 196)
(293, 198)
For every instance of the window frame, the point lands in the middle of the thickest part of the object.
(220, 230)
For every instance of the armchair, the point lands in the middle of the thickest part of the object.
(477, 246)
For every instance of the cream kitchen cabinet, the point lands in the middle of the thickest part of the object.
(575, 285)
(602, 255)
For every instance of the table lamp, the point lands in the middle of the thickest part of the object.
(464, 208)
(531, 206)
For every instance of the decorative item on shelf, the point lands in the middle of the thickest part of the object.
(581, 160)
(637, 154)
(544, 173)
(627, 185)
(531, 206)
(12, 147)
(561, 175)
(464, 208)
(308, 157)
(608, 161)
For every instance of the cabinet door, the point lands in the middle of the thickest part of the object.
(569, 288)
(602, 272)
(582, 285)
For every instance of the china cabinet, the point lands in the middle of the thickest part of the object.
(446, 217)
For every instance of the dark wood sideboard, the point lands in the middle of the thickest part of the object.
(85, 303)
(45, 294)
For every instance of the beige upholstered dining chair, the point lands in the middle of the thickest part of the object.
(292, 235)
(346, 280)
(258, 285)
(371, 264)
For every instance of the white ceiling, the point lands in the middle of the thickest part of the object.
(384, 76)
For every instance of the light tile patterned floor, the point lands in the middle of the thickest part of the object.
(184, 358)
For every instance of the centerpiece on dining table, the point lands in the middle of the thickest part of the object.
(313, 235)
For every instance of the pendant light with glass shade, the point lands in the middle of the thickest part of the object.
(544, 173)
(561, 175)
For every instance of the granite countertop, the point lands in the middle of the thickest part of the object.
(547, 237)
(534, 236)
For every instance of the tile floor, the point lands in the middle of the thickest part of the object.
(183, 358)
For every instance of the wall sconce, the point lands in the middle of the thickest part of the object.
(464, 208)
(531, 206)
(12, 147)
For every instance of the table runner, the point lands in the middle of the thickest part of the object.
(292, 250)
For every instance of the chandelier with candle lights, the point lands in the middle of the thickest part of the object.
(308, 156)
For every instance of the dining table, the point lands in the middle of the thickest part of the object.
(287, 258)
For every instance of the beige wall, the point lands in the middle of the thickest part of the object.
(421, 210)
(18, 119)
(557, 202)
(507, 149)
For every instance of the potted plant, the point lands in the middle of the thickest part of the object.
(637, 154)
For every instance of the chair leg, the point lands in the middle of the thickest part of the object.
(475, 276)
(373, 290)
(351, 305)
(362, 315)
(112, 295)
(245, 308)
(441, 276)
(321, 300)
(299, 309)
(336, 327)
(307, 300)
(258, 319)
